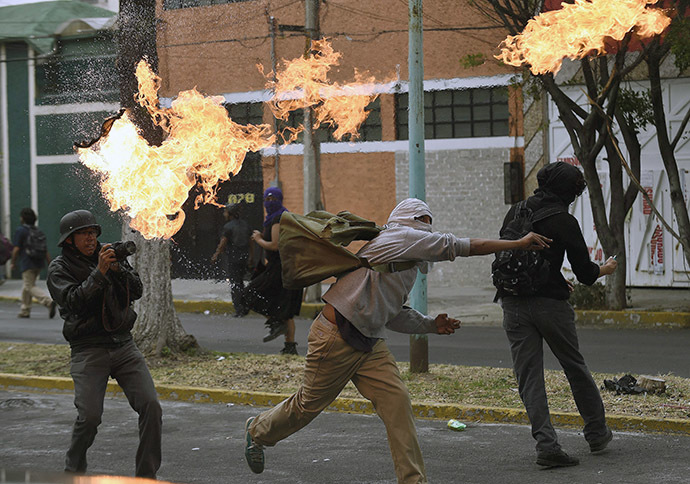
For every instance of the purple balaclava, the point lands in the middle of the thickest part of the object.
(274, 208)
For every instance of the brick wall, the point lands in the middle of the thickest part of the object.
(465, 194)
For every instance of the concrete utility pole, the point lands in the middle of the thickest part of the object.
(419, 343)
(311, 161)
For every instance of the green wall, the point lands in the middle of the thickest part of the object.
(57, 133)
(66, 187)
(18, 130)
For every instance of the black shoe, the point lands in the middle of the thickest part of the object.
(275, 329)
(253, 452)
(289, 349)
(51, 310)
(600, 444)
(556, 458)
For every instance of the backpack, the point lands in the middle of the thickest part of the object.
(312, 247)
(5, 249)
(35, 245)
(521, 272)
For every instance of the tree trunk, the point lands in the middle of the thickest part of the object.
(157, 326)
(666, 148)
(158, 329)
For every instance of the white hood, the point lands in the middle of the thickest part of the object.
(408, 212)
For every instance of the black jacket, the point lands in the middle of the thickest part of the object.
(557, 188)
(96, 308)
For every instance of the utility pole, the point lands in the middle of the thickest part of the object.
(419, 343)
(311, 161)
(274, 66)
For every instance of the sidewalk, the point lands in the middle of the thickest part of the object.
(656, 307)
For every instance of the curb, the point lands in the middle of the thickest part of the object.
(432, 411)
(308, 310)
(626, 318)
(632, 318)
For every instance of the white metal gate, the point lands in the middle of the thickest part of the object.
(654, 257)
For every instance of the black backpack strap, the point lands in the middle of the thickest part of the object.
(546, 212)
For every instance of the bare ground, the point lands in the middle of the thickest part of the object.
(283, 374)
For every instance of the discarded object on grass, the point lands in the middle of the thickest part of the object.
(652, 384)
(456, 425)
(627, 384)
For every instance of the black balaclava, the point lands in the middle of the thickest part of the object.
(559, 183)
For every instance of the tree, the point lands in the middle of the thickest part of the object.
(589, 129)
(158, 326)
(676, 42)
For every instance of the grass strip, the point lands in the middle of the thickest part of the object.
(450, 384)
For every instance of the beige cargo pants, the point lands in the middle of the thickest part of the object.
(331, 363)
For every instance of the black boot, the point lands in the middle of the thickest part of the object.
(290, 348)
(275, 329)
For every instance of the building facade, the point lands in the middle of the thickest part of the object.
(473, 116)
(57, 84)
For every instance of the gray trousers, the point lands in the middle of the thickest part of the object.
(528, 322)
(90, 370)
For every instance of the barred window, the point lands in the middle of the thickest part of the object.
(175, 4)
(370, 130)
(246, 113)
(466, 113)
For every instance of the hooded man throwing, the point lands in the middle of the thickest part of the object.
(346, 340)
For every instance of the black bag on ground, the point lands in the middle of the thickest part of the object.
(36, 245)
(521, 272)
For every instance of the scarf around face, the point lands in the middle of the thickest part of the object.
(274, 208)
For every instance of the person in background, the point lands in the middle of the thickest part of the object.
(235, 240)
(548, 316)
(95, 292)
(31, 250)
(265, 293)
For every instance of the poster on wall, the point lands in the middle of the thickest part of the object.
(656, 247)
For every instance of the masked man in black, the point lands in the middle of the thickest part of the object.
(94, 292)
(546, 316)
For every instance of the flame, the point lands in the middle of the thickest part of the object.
(303, 82)
(577, 30)
(151, 183)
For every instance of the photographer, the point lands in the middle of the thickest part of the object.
(94, 287)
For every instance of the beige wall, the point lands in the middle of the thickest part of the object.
(362, 183)
(217, 48)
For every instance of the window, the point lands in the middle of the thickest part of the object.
(370, 130)
(246, 113)
(458, 113)
(173, 4)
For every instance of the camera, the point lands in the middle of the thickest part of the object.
(123, 249)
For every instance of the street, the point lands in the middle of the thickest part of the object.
(203, 443)
(612, 351)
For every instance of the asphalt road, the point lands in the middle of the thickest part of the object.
(614, 351)
(203, 443)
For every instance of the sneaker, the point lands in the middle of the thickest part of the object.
(51, 309)
(600, 444)
(289, 349)
(23, 315)
(275, 329)
(556, 458)
(253, 452)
